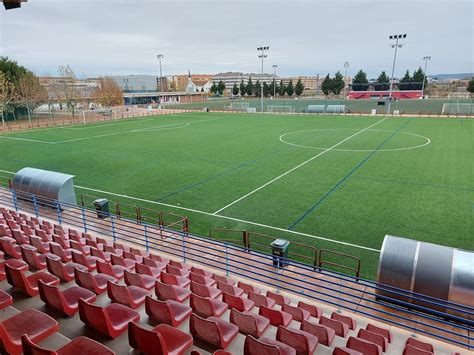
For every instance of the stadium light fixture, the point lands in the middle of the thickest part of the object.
(274, 80)
(426, 59)
(263, 56)
(160, 57)
(396, 45)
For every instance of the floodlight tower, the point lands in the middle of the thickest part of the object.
(426, 59)
(263, 56)
(346, 66)
(160, 57)
(274, 80)
(396, 46)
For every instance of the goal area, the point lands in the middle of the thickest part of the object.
(239, 106)
(280, 109)
(458, 108)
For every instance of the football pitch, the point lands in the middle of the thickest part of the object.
(335, 182)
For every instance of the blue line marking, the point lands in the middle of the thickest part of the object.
(348, 175)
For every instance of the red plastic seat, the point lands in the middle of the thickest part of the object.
(29, 284)
(20, 237)
(205, 291)
(115, 271)
(200, 279)
(144, 281)
(121, 246)
(129, 264)
(5, 300)
(41, 247)
(339, 327)
(227, 288)
(90, 262)
(110, 249)
(213, 330)
(174, 280)
(378, 339)
(96, 283)
(275, 316)
(261, 300)
(168, 312)
(58, 250)
(129, 255)
(65, 300)
(363, 346)
(249, 288)
(35, 260)
(324, 334)
(301, 341)
(266, 346)
(35, 324)
(111, 320)
(10, 248)
(171, 292)
(412, 350)
(312, 309)
(297, 313)
(64, 272)
(352, 323)
(279, 299)
(148, 270)
(27, 229)
(62, 241)
(83, 249)
(139, 252)
(173, 270)
(180, 265)
(382, 331)
(207, 307)
(45, 236)
(345, 351)
(163, 339)
(131, 296)
(249, 323)
(79, 345)
(155, 263)
(420, 344)
(201, 272)
(241, 304)
(5, 231)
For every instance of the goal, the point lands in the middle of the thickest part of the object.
(280, 109)
(240, 106)
(457, 108)
(458, 95)
(99, 115)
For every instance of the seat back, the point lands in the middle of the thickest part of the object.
(297, 313)
(245, 321)
(164, 291)
(20, 237)
(205, 329)
(104, 268)
(118, 293)
(149, 262)
(117, 260)
(79, 258)
(51, 295)
(57, 249)
(130, 255)
(173, 270)
(143, 269)
(293, 338)
(363, 346)
(84, 279)
(200, 279)
(201, 306)
(43, 235)
(16, 277)
(60, 240)
(199, 289)
(97, 253)
(132, 278)
(246, 287)
(148, 341)
(29, 255)
(274, 315)
(93, 315)
(55, 267)
(176, 264)
(222, 279)
(170, 279)
(76, 245)
(156, 308)
(37, 243)
(254, 346)
(279, 299)
(312, 309)
(30, 348)
(233, 301)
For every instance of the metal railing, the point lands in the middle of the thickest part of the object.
(337, 289)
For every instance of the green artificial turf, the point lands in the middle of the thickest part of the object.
(411, 177)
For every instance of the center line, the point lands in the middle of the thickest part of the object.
(298, 166)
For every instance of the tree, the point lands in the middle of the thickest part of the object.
(213, 88)
(383, 82)
(108, 93)
(249, 87)
(67, 89)
(30, 92)
(7, 95)
(258, 89)
(243, 88)
(360, 81)
(172, 87)
(266, 89)
(299, 88)
(337, 84)
(235, 89)
(220, 87)
(470, 86)
(405, 82)
(326, 85)
(281, 89)
(417, 79)
(273, 88)
(290, 89)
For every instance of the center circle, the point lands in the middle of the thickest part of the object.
(282, 139)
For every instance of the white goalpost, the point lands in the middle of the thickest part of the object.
(240, 106)
(102, 114)
(458, 108)
(280, 109)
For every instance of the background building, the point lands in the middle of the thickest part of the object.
(138, 83)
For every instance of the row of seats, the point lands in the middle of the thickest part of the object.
(97, 265)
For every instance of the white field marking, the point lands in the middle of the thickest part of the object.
(8, 172)
(298, 166)
(427, 140)
(26, 139)
(229, 218)
(99, 124)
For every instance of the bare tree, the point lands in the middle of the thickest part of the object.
(7, 95)
(67, 90)
(30, 92)
(108, 93)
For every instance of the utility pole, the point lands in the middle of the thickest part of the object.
(274, 80)
(396, 46)
(426, 59)
(160, 56)
(346, 66)
(263, 56)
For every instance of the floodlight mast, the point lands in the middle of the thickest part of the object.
(396, 46)
(426, 59)
(274, 80)
(263, 56)
(160, 56)
(346, 66)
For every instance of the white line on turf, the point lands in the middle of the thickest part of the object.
(298, 166)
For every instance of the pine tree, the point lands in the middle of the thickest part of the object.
(221, 87)
(417, 79)
(266, 89)
(249, 87)
(337, 84)
(258, 89)
(299, 88)
(470, 86)
(290, 89)
(405, 82)
(281, 89)
(213, 88)
(360, 81)
(235, 89)
(383, 82)
(326, 85)
(243, 88)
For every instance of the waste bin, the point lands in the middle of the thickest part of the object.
(280, 252)
(102, 207)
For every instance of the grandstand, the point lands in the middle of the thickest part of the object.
(123, 284)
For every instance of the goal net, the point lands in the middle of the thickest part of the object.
(99, 115)
(457, 108)
(240, 106)
(280, 109)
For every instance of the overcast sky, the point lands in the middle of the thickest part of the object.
(103, 37)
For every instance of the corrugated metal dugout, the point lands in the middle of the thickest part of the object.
(45, 184)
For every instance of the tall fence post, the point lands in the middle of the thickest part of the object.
(84, 221)
(226, 259)
(278, 279)
(147, 243)
(113, 227)
(184, 246)
(15, 202)
(35, 204)
(58, 210)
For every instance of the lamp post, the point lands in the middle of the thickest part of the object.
(263, 56)
(346, 66)
(426, 59)
(396, 46)
(274, 80)
(160, 56)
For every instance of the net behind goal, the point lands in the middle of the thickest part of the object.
(456, 108)
(241, 106)
(280, 109)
